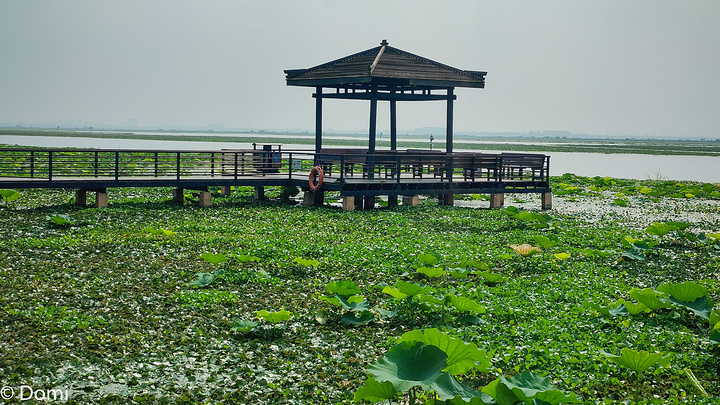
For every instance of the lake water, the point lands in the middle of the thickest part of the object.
(629, 166)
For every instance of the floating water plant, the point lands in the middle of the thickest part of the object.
(158, 231)
(638, 361)
(274, 317)
(9, 195)
(213, 258)
(690, 295)
(525, 250)
(306, 262)
(60, 220)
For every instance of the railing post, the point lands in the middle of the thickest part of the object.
(177, 164)
(50, 165)
(32, 164)
(156, 164)
(236, 165)
(290, 164)
(342, 168)
(96, 164)
(397, 170)
(212, 164)
(117, 165)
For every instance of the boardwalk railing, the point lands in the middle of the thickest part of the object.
(116, 168)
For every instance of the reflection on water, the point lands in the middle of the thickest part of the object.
(629, 166)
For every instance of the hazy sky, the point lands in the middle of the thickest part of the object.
(637, 68)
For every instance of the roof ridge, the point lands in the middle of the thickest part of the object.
(438, 64)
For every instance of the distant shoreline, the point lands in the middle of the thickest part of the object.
(582, 145)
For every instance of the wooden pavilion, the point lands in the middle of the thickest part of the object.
(389, 74)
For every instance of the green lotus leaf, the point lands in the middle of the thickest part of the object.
(652, 299)
(634, 253)
(352, 318)
(700, 307)
(663, 228)
(638, 360)
(410, 289)
(331, 300)
(322, 316)
(428, 259)
(528, 386)
(344, 288)
(306, 262)
(477, 264)
(429, 299)
(354, 303)
(561, 256)
(609, 310)
(461, 356)
(394, 292)
(546, 242)
(9, 195)
(500, 393)
(688, 291)
(274, 317)
(386, 313)
(621, 202)
(60, 219)
(715, 334)
(374, 391)
(431, 271)
(203, 280)
(633, 308)
(464, 304)
(447, 387)
(458, 272)
(214, 258)
(246, 258)
(244, 325)
(409, 364)
(714, 317)
(492, 278)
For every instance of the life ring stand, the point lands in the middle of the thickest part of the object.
(316, 171)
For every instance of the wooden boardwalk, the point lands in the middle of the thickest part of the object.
(351, 173)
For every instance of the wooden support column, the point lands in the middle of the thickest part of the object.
(259, 192)
(497, 200)
(546, 201)
(392, 201)
(348, 203)
(393, 123)
(179, 196)
(205, 199)
(225, 190)
(369, 202)
(411, 200)
(446, 199)
(101, 199)
(81, 198)
(449, 124)
(373, 120)
(318, 119)
(314, 198)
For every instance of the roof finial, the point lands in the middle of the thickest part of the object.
(384, 42)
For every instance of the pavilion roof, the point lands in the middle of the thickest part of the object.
(385, 66)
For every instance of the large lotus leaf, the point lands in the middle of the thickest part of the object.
(374, 391)
(700, 307)
(447, 387)
(562, 256)
(609, 310)
(500, 393)
(427, 259)
(688, 291)
(410, 289)
(715, 334)
(461, 356)
(214, 258)
(429, 299)
(633, 308)
(714, 317)
(527, 386)
(464, 304)
(60, 219)
(634, 253)
(332, 300)
(306, 262)
(431, 271)
(651, 298)
(344, 288)
(394, 292)
(546, 242)
(492, 278)
(410, 363)
(637, 360)
(352, 318)
(663, 228)
(386, 313)
(203, 280)
(477, 264)
(354, 303)
(482, 400)
(244, 325)
(275, 317)
(458, 272)
(9, 195)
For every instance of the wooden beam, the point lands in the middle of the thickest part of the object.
(382, 96)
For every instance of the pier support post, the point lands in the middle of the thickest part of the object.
(411, 200)
(314, 198)
(178, 196)
(259, 192)
(546, 201)
(369, 202)
(225, 190)
(446, 199)
(497, 200)
(101, 199)
(81, 198)
(392, 201)
(348, 203)
(205, 199)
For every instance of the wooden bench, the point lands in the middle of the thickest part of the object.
(327, 158)
(477, 165)
(524, 166)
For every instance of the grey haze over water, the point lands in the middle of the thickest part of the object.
(619, 68)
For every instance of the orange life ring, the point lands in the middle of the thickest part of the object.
(316, 171)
